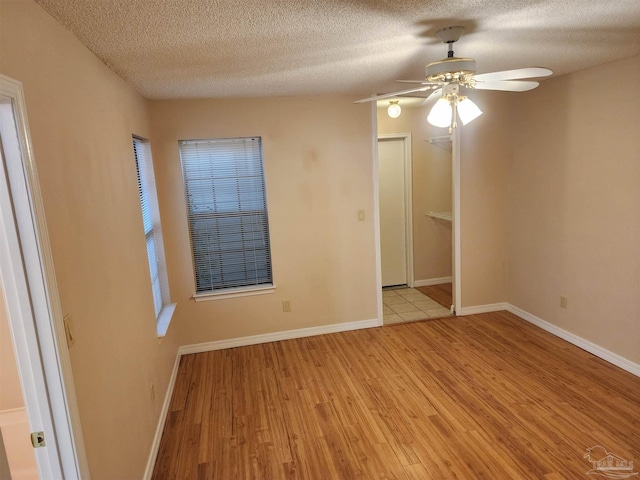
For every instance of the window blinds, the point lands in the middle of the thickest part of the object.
(140, 152)
(227, 212)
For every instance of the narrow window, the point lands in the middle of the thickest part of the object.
(227, 213)
(153, 233)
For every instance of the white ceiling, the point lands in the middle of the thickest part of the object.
(239, 48)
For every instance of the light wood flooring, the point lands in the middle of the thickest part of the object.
(478, 397)
(441, 293)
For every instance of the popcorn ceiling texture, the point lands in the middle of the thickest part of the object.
(240, 48)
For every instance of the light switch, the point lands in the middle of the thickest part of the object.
(286, 305)
(67, 330)
(360, 215)
(563, 301)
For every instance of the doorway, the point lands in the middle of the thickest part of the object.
(430, 290)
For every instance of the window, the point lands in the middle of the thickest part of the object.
(227, 214)
(153, 234)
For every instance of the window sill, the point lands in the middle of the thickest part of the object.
(234, 293)
(164, 319)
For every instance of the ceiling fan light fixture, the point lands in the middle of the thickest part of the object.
(440, 114)
(468, 111)
(394, 109)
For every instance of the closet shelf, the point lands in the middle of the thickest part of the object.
(446, 216)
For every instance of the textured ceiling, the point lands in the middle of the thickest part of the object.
(232, 48)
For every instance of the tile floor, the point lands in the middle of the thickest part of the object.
(408, 304)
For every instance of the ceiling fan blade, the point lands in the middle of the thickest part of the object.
(393, 94)
(530, 72)
(423, 82)
(507, 85)
(434, 94)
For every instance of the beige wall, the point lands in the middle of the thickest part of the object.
(574, 194)
(432, 252)
(318, 169)
(82, 117)
(10, 390)
(484, 156)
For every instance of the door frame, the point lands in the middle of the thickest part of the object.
(456, 221)
(33, 306)
(408, 198)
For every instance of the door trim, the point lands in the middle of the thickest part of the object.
(457, 220)
(33, 307)
(376, 209)
(408, 197)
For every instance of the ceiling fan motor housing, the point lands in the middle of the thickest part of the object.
(451, 69)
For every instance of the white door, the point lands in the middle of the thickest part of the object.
(31, 298)
(393, 207)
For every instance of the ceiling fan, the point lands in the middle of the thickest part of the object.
(450, 76)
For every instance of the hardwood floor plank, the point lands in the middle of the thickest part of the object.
(484, 396)
(417, 472)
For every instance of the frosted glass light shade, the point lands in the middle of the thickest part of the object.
(440, 114)
(394, 110)
(467, 110)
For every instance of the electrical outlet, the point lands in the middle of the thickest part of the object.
(563, 301)
(152, 391)
(286, 305)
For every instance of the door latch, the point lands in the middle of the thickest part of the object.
(37, 439)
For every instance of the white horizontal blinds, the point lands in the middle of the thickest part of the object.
(227, 212)
(140, 151)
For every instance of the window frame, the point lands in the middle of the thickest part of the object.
(247, 289)
(145, 177)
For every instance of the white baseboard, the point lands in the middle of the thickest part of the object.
(580, 342)
(432, 281)
(492, 307)
(148, 472)
(590, 347)
(276, 336)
